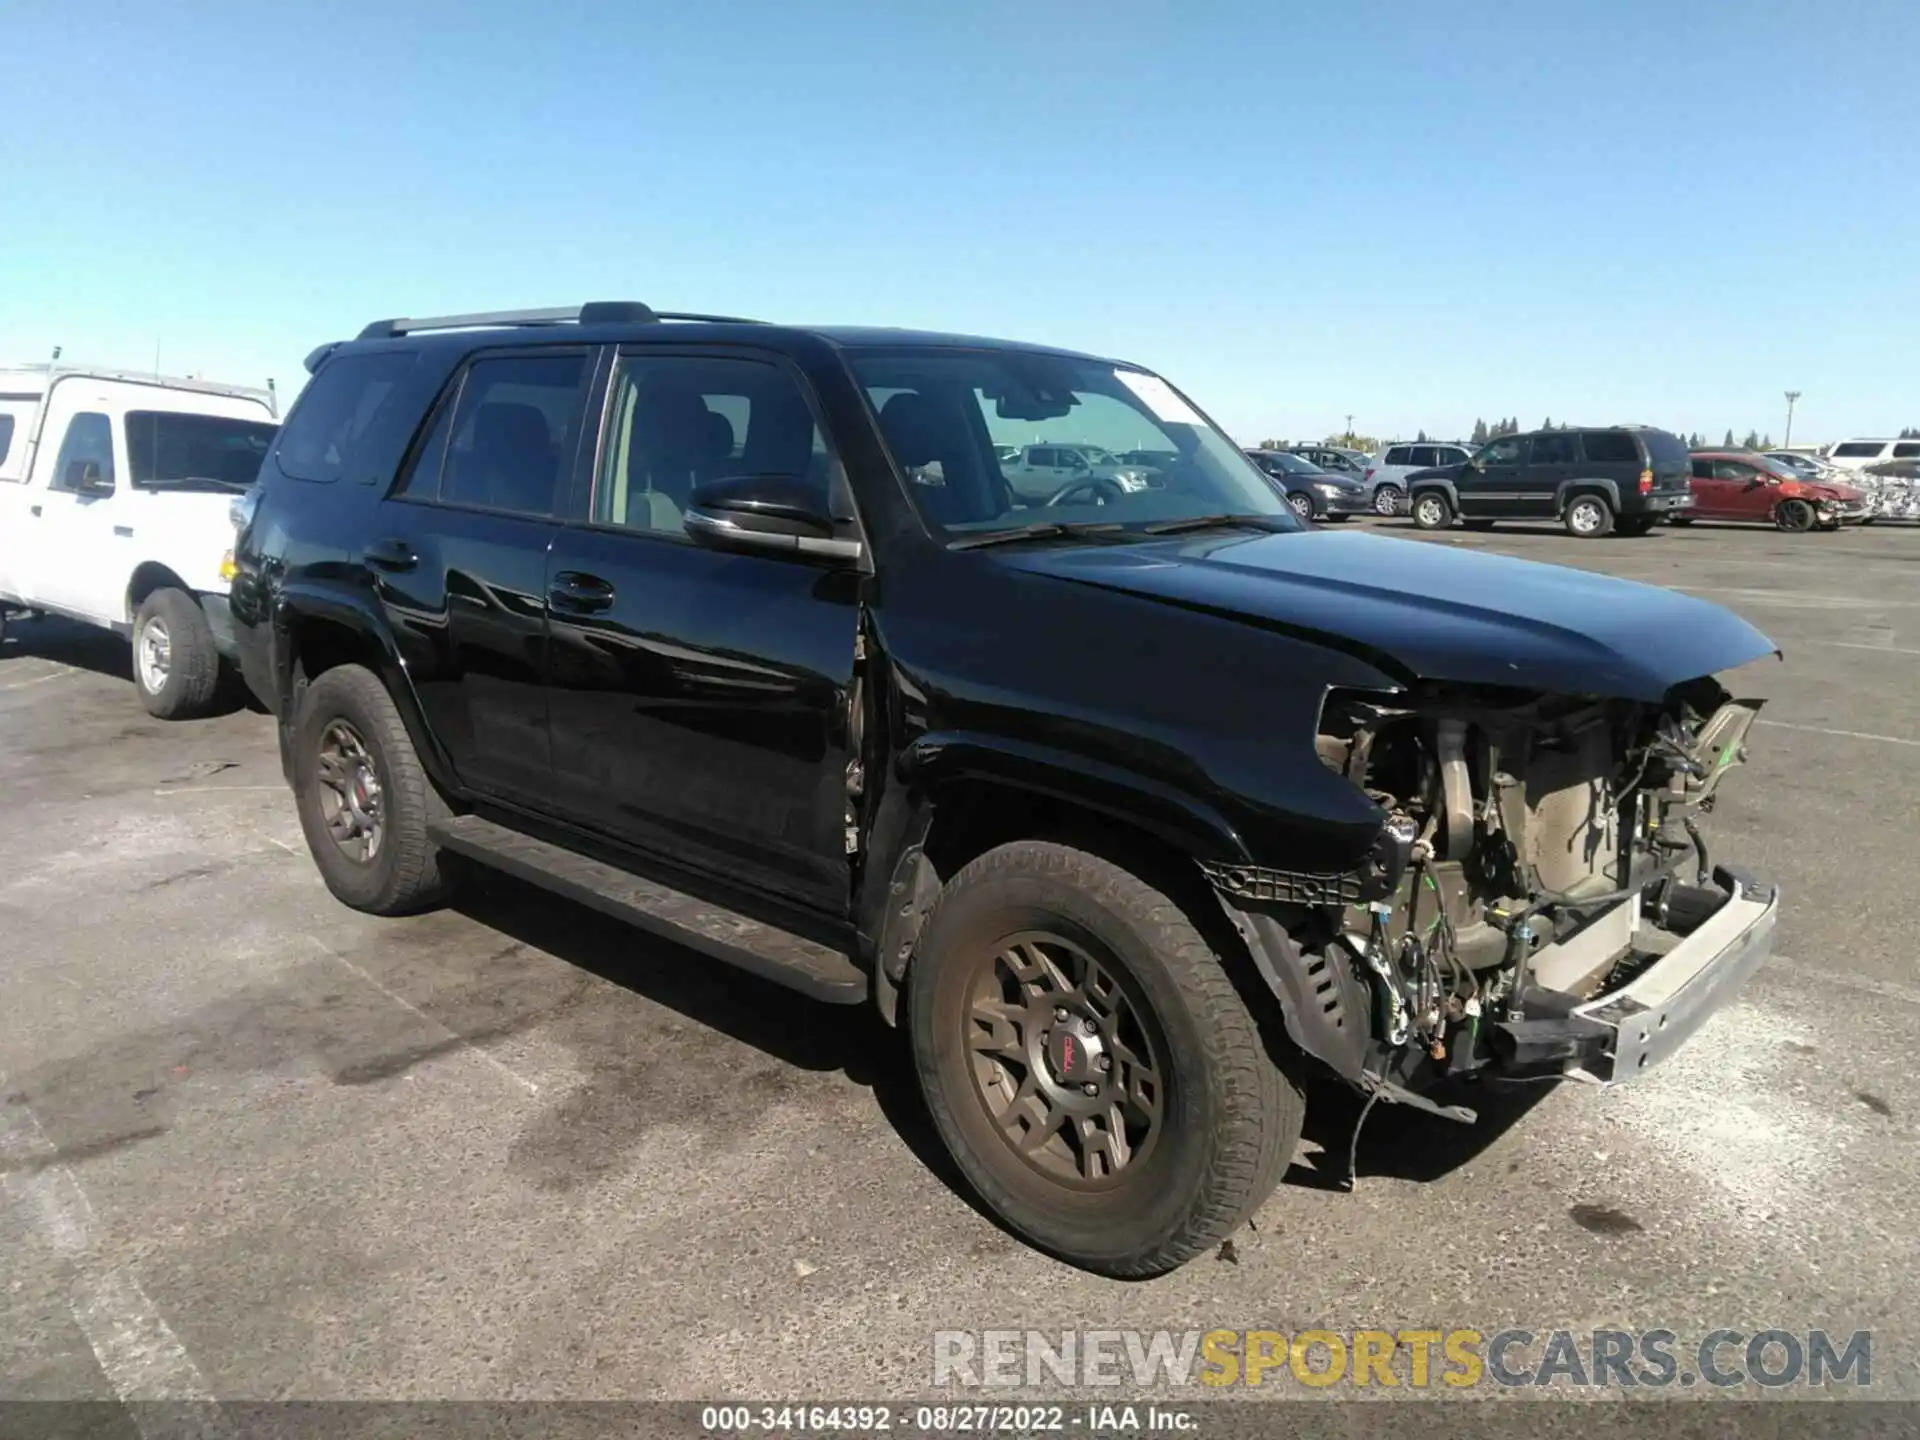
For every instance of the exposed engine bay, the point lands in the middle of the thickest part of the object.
(1514, 823)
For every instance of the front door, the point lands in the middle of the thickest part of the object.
(1489, 485)
(1744, 491)
(459, 560)
(700, 698)
(68, 555)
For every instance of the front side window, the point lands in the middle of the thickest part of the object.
(679, 421)
(322, 437)
(1504, 451)
(512, 432)
(86, 454)
(175, 451)
(1732, 470)
(942, 412)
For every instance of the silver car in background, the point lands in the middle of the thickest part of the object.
(1385, 477)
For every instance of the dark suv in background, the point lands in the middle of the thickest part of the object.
(1622, 480)
(1134, 807)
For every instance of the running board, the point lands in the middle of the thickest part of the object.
(815, 970)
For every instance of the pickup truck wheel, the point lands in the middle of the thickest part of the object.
(1431, 511)
(364, 799)
(1089, 1063)
(175, 663)
(1588, 517)
(1793, 515)
(1388, 499)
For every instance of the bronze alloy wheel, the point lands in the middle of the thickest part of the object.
(350, 793)
(1066, 1062)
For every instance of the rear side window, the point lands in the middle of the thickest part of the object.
(1904, 451)
(1609, 447)
(1556, 448)
(513, 430)
(1664, 449)
(322, 437)
(88, 442)
(1424, 456)
(1449, 455)
(1858, 449)
(1399, 455)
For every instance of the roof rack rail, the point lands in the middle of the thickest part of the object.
(594, 312)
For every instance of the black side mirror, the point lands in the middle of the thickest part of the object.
(779, 513)
(84, 478)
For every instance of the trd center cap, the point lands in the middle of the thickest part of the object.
(1074, 1056)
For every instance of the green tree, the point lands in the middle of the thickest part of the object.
(1752, 442)
(1479, 431)
(1728, 442)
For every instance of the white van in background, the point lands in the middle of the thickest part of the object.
(1858, 453)
(116, 496)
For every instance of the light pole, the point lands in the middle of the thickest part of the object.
(1349, 429)
(1792, 395)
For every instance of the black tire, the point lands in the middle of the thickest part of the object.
(406, 871)
(1388, 500)
(1634, 526)
(1793, 516)
(1432, 510)
(176, 666)
(1478, 524)
(1588, 516)
(1679, 519)
(1228, 1116)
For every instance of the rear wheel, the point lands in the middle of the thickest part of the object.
(176, 665)
(1388, 499)
(1793, 516)
(1090, 1064)
(1432, 510)
(364, 800)
(1588, 517)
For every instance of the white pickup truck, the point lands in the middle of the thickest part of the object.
(116, 496)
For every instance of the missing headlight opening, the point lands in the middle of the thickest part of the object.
(1538, 854)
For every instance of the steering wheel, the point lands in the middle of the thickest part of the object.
(1099, 490)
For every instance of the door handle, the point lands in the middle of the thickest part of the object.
(581, 593)
(390, 554)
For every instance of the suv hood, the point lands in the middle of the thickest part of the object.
(1430, 611)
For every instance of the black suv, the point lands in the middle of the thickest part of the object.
(1621, 480)
(1137, 807)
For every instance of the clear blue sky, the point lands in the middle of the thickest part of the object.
(1415, 212)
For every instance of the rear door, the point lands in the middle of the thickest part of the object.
(1553, 459)
(1709, 490)
(700, 698)
(458, 559)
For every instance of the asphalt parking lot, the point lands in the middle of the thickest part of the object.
(260, 1146)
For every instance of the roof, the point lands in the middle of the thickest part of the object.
(40, 378)
(620, 321)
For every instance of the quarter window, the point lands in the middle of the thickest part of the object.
(89, 441)
(513, 429)
(679, 421)
(322, 437)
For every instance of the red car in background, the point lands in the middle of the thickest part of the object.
(1740, 485)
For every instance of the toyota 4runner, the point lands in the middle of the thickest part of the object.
(1136, 808)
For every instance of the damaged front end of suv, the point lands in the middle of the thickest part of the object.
(1539, 900)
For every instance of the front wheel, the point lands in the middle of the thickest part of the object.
(1388, 499)
(176, 665)
(1794, 516)
(1432, 511)
(1089, 1063)
(1302, 505)
(1588, 517)
(364, 800)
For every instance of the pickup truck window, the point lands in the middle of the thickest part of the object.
(172, 450)
(676, 421)
(323, 434)
(512, 430)
(89, 439)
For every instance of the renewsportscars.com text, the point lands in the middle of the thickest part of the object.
(1414, 1358)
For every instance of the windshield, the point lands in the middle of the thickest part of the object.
(166, 447)
(947, 414)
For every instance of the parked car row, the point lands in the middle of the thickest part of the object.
(1132, 798)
